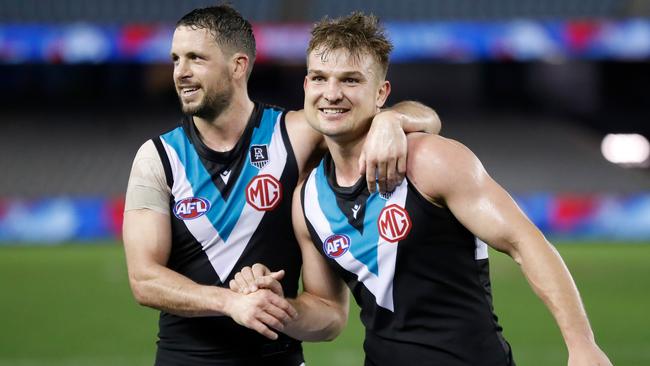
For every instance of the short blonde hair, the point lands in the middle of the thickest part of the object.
(357, 33)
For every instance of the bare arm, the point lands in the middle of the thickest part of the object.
(147, 244)
(487, 210)
(383, 160)
(324, 303)
(416, 117)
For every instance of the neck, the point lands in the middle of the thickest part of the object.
(222, 132)
(346, 159)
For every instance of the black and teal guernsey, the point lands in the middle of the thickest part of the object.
(229, 210)
(420, 277)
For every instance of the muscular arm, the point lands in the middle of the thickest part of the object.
(147, 244)
(486, 209)
(384, 156)
(324, 303)
(416, 117)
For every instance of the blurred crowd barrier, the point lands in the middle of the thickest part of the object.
(453, 41)
(560, 216)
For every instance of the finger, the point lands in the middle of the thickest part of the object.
(371, 177)
(260, 270)
(381, 177)
(392, 174)
(401, 167)
(234, 286)
(277, 275)
(283, 305)
(362, 163)
(268, 282)
(241, 282)
(247, 274)
(271, 321)
(262, 329)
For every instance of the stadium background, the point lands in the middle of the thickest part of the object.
(532, 87)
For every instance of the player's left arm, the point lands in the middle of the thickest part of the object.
(383, 159)
(485, 208)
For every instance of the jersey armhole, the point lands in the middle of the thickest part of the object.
(165, 161)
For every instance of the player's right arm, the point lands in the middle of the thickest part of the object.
(324, 303)
(147, 243)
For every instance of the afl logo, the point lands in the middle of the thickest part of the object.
(336, 245)
(191, 208)
(394, 223)
(264, 192)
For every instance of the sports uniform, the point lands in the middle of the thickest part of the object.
(420, 277)
(228, 210)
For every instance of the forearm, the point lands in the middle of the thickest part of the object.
(318, 320)
(550, 279)
(169, 291)
(417, 117)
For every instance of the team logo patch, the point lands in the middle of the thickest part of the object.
(394, 223)
(264, 192)
(259, 156)
(191, 208)
(336, 245)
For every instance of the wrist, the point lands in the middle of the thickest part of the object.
(393, 117)
(222, 300)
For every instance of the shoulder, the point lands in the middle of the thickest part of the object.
(297, 124)
(437, 165)
(147, 151)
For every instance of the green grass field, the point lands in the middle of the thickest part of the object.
(71, 305)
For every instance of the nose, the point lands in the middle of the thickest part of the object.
(182, 70)
(333, 92)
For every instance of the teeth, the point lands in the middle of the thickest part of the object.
(332, 111)
(189, 90)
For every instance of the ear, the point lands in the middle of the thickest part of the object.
(383, 93)
(240, 64)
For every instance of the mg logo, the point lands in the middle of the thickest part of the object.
(394, 223)
(264, 192)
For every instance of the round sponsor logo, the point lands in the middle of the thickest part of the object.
(191, 208)
(336, 245)
(394, 223)
(264, 192)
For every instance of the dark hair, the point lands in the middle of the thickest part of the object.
(230, 30)
(356, 33)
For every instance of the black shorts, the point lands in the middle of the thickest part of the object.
(267, 357)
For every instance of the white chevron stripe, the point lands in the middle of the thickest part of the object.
(224, 256)
(380, 286)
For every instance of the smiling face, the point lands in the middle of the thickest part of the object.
(343, 93)
(201, 73)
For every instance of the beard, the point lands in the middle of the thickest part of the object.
(212, 104)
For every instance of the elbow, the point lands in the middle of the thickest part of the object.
(339, 322)
(139, 290)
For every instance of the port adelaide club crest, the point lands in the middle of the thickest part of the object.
(259, 156)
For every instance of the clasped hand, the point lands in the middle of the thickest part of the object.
(259, 303)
